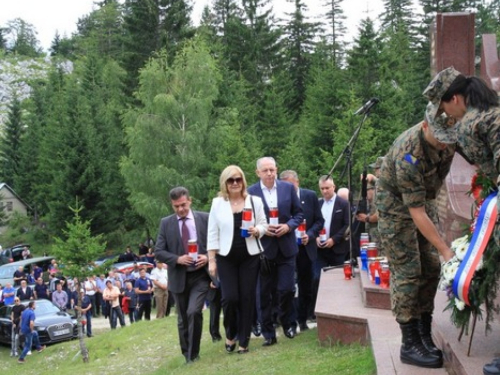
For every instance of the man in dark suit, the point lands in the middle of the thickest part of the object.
(308, 251)
(280, 247)
(188, 280)
(335, 211)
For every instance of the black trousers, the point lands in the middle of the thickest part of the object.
(214, 300)
(144, 308)
(189, 306)
(238, 277)
(305, 285)
(276, 292)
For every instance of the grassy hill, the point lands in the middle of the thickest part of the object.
(152, 348)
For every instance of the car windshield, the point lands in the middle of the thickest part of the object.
(44, 308)
(7, 272)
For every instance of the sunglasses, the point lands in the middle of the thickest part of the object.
(232, 180)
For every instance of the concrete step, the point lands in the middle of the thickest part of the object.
(342, 317)
(373, 295)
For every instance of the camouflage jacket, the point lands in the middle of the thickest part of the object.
(411, 174)
(479, 139)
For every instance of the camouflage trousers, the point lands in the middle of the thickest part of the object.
(415, 268)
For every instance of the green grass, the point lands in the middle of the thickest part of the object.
(152, 348)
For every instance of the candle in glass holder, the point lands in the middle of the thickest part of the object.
(385, 276)
(347, 270)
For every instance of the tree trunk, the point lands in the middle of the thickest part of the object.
(83, 348)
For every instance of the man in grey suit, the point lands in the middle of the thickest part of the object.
(188, 280)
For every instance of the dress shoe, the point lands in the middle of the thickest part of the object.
(242, 350)
(269, 342)
(216, 338)
(290, 332)
(256, 330)
(303, 327)
(492, 368)
(230, 347)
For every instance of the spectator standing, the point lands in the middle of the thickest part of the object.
(131, 299)
(19, 275)
(60, 297)
(90, 290)
(280, 247)
(86, 311)
(233, 256)
(8, 295)
(41, 290)
(188, 279)
(15, 317)
(26, 254)
(100, 285)
(143, 288)
(159, 277)
(143, 250)
(25, 292)
(111, 294)
(28, 330)
(37, 271)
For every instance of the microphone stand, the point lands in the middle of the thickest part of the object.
(347, 153)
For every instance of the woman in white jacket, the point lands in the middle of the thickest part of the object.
(233, 257)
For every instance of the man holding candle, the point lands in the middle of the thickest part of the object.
(188, 282)
(284, 214)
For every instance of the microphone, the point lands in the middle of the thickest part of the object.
(367, 107)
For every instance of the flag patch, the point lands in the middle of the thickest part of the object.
(411, 159)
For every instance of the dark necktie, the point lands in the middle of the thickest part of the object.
(185, 234)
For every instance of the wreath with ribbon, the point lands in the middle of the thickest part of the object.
(470, 278)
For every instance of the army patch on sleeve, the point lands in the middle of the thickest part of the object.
(411, 159)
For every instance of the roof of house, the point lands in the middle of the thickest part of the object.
(4, 185)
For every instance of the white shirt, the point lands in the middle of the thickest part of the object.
(270, 195)
(327, 211)
(90, 286)
(160, 275)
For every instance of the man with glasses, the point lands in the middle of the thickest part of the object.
(284, 214)
(15, 317)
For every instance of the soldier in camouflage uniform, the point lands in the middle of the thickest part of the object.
(410, 178)
(471, 101)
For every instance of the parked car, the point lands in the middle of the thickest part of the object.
(13, 254)
(7, 270)
(125, 267)
(52, 324)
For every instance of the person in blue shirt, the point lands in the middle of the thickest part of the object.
(9, 292)
(143, 289)
(29, 332)
(86, 311)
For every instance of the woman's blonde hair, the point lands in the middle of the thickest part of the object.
(227, 173)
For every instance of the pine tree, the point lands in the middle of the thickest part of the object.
(299, 44)
(11, 142)
(170, 136)
(23, 37)
(335, 28)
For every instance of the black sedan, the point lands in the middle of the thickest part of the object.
(52, 324)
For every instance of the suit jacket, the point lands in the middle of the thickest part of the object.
(169, 247)
(290, 212)
(24, 296)
(221, 225)
(339, 224)
(314, 220)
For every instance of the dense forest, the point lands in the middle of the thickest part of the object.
(152, 101)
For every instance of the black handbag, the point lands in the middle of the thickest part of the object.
(266, 266)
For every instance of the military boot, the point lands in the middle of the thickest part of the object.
(413, 352)
(424, 328)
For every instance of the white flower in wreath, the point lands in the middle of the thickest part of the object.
(459, 304)
(480, 264)
(461, 250)
(460, 241)
(450, 269)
